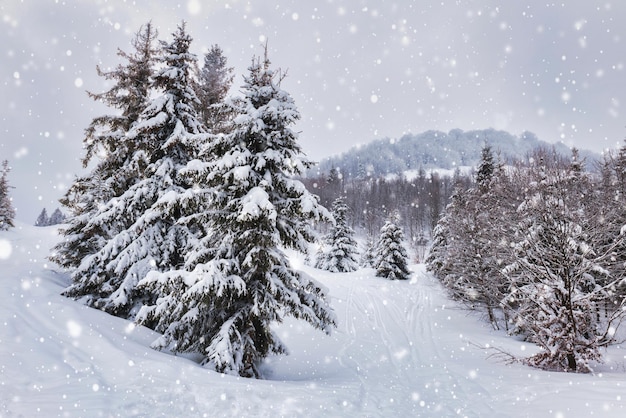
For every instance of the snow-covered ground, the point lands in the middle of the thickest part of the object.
(401, 349)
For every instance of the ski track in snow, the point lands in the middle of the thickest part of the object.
(400, 349)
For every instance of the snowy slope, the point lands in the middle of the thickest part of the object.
(401, 349)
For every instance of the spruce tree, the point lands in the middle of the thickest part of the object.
(7, 212)
(237, 280)
(341, 256)
(451, 247)
(43, 219)
(57, 217)
(119, 160)
(437, 260)
(485, 220)
(367, 256)
(168, 134)
(391, 259)
(214, 81)
(469, 245)
(486, 168)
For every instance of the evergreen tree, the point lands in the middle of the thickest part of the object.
(438, 259)
(435, 204)
(43, 219)
(237, 280)
(367, 256)
(486, 168)
(120, 161)
(441, 257)
(454, 251)
(157, 204)
(7, 212)
(57, 217)
(214, 81)
(341, 256)
(490, 214)
(469, 243)
(391, 260)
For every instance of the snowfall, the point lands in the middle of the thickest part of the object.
(400, 349)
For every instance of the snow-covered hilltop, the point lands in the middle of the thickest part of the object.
(436, 150)
(400, 349)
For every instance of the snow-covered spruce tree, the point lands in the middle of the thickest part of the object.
(43, 219)
(438, 258)
(157, 204)
(442, 249)
(369, 248)
(450, 250)
(237, 281)
(391, 258)
(7, 212)
(214, 81)
(469, 242)
(469, 222)
(341, 256)
(491, 211)
(560, 275)
(56, 218)
(119, 160)
(486, 168)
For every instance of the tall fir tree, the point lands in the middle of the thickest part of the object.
(438, 259)
(391, 259)
(486, 168)
(43, 219)
(485, 223)
(7, 212)
(341, 256)
(57, 217)
(119, 160)
(237, 281)
(214, 81)
(441, 255)
(449, 251)
(468, 249)
(155, 206)
(369, 249)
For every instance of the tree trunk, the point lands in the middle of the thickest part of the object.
(492, 318)
(571, 362)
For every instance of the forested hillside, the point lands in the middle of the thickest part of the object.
(418, 201)
(416, 176)
(436, 149)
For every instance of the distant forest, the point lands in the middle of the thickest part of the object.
(416, 175)
(437, 150)
(419, 201)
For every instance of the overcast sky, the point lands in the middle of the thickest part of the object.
(358, 70)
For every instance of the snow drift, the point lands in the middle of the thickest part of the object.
(401, 349)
